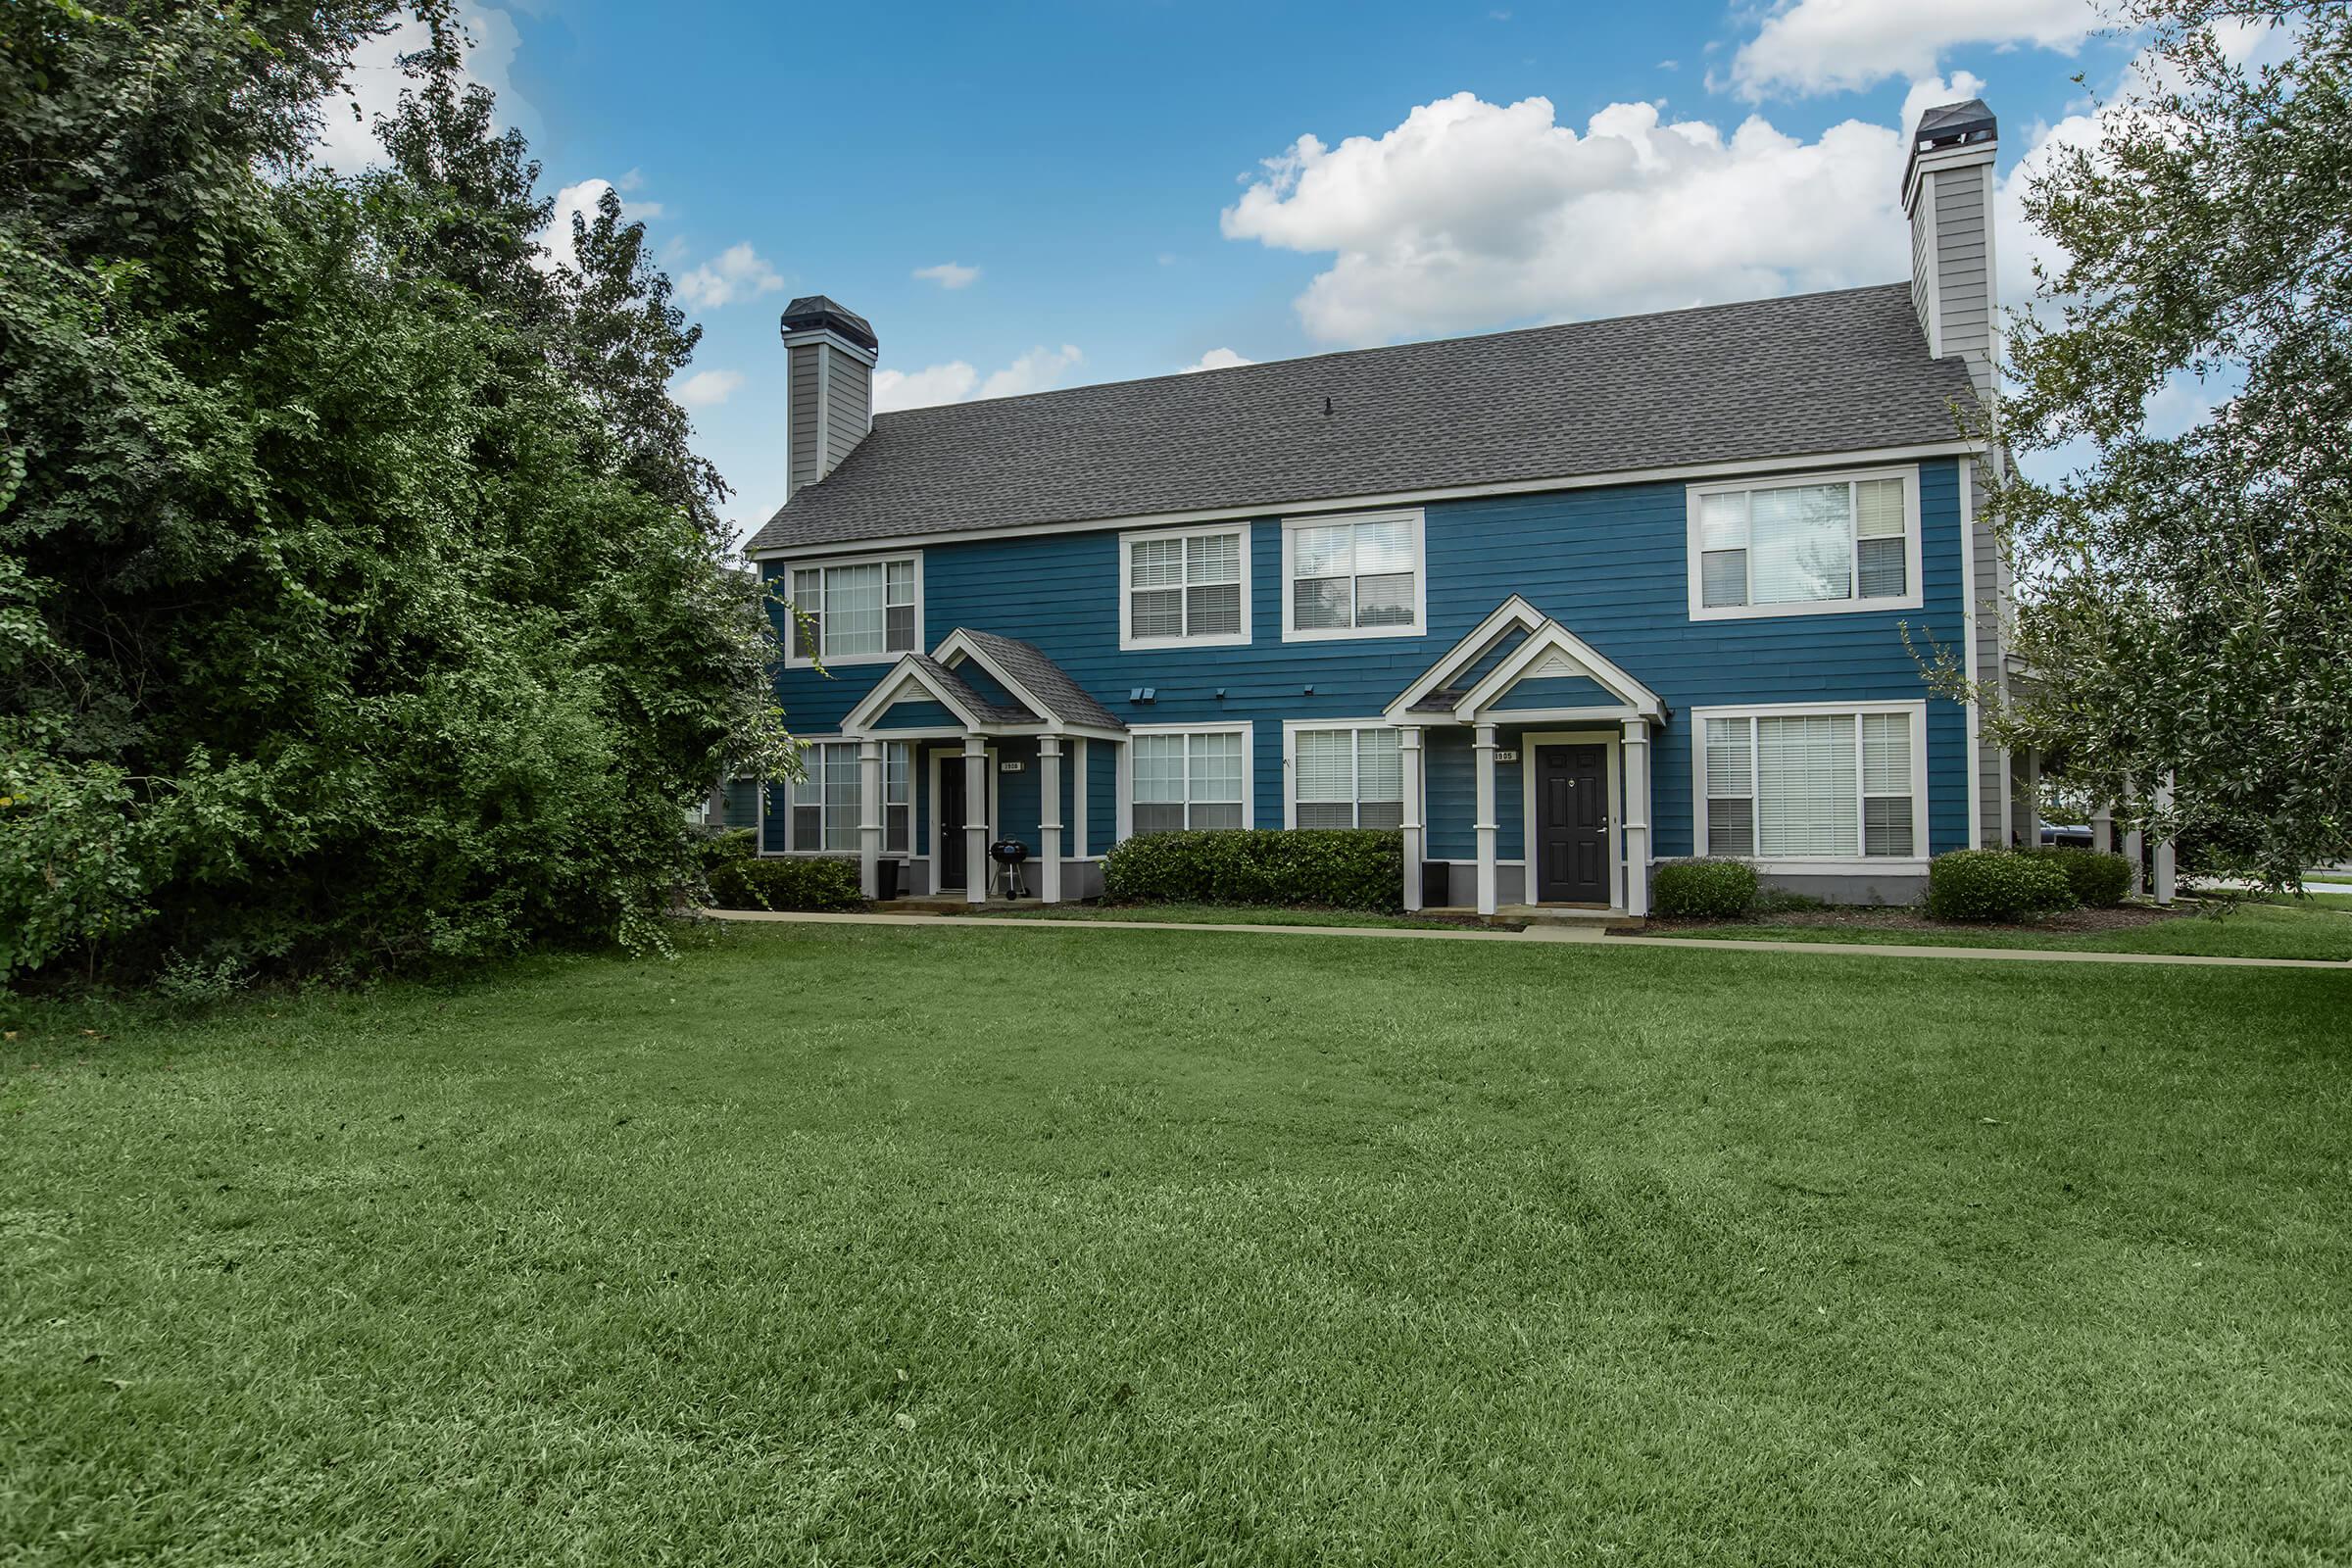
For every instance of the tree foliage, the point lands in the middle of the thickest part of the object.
(361, 599)
(2186, 600)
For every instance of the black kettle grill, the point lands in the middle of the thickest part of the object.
(1011, 855)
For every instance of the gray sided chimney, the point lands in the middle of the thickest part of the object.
(830, 354)
(1948, 194)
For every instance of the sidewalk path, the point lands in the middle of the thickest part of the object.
(1545, 934)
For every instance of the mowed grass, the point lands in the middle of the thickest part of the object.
(2296, 928)
(866, 1245)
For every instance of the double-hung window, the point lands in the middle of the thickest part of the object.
(1841, 542)
(825, 816)
(1184, 588)
(1347, 777)
(1814, 784)
(858, 611)
(1359, 577)
(1190, 780)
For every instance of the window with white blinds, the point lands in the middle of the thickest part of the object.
(1353, 576)
(856, 612)
(1847, 542)
(1813, 785)
(1184, 588)
(1193, 779)
(1347, 778)
(824, 816)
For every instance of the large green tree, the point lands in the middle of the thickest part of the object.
(2186, 600)
(361, 599)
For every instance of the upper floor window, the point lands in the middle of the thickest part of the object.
(1841, 542)
(858, 611)
(1177, 588)
(1813, 784)
(1358, 576)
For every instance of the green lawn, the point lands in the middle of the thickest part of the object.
(1216, 914)
(876, 1245)
(2305, 928)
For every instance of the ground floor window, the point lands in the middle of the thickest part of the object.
(1812, 785)
(1347, 778)
(825, 815)
(1193, 779)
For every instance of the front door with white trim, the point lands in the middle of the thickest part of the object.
(1572, 825)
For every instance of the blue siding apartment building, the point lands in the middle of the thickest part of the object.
(1559, 604)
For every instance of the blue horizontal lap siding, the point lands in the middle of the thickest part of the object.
(1555, 691)
(1607, 562)
(918, 713)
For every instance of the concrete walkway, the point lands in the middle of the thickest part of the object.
(1575, 935)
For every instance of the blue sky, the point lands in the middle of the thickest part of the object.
(1098, 175)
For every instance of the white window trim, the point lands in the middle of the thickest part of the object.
(1913, 864)
(809, 742)
(1695, 578)
(793, 658)
(1292, 729)
(1248, 730)
(1128, 642)
(1417, 517)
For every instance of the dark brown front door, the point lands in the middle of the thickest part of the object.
(950, 822)
(1572, 825)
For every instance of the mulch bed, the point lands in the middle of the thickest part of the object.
(2072, 922)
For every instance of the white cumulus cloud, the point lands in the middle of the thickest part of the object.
(1039, 370)
(1471, 214)
(707, 389)
(580, 201)
(1216, 360)
(347, 141)
(1815, 46)
(737, 273)
(949, 274)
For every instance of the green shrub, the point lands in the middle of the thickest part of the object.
(799, 882)
(1980, 885)
(1337, 869)
(715, 846)
(1716, 890)
(2100, 881)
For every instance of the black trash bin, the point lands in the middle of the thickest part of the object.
(1436, 885)
(886, 878)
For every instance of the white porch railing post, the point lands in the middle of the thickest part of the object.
(1048, 819)
(2164, 845)
(975, 819)
(1485, 826)
(2102, 830)
(1636, 816)
(869, 817)
(1408, 759)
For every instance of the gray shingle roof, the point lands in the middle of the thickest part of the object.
(1044, 680)
(981, 707)
(1793, 378)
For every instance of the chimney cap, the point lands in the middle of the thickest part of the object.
(1949, 125)
(812, 313)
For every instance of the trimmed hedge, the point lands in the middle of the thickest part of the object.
(801, 882)
(1718, 890)
(1981, 885)
(2101, 880)
(1335, 868)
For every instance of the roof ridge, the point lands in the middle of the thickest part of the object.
(1498, 335)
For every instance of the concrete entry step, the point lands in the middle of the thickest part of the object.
(1547, 915)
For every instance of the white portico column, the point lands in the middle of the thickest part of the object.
(2032, 787)
(975, 818)
(1049, 818)
(2102, 830)
(869, 817)
(1636, 816)
(1485, 819)
(2134, 842)
(1409, 759)
(2164, 845)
